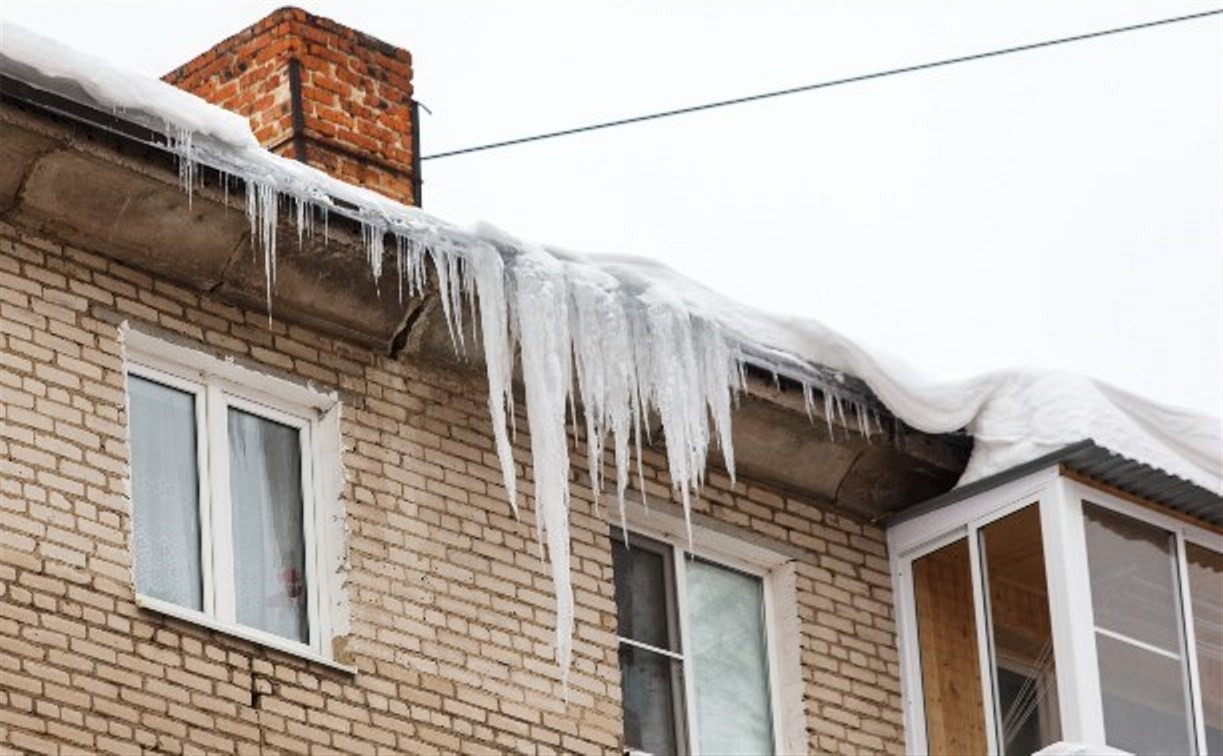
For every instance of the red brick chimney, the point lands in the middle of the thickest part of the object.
(319, 92)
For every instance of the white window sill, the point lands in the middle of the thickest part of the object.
(245, 633)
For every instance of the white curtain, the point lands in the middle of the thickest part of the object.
(269, 543)
(165, 493)
(730, 660)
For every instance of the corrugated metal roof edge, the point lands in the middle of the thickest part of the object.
(1098, 463)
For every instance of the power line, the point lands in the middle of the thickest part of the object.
(820, 85)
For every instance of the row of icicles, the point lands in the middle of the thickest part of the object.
(581, 337)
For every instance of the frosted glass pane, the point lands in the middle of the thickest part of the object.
(641, 594)
(649, 683)
(165, 493)
(1146, 707)
(1135, 593)
(1133, 578)
(269, 543)
(726, 626)
(1021, 633)
(1206, 588)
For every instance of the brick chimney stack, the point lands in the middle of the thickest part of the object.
(319, 92)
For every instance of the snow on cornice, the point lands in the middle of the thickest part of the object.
(622, 338)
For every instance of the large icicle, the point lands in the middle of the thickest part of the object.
(540, 306)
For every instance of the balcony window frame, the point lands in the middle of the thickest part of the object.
(217, 386)
(1060, 500)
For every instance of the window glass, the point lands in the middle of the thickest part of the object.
(265, 478)
(1021, 633)
(1133, 578)
(1139, 642)
(1143, 693)
(165, 493)
(947, 640)
(726, 656)
(1206, 591)
(641, 595)
(651, 683)
(726, 625)
(650, 697)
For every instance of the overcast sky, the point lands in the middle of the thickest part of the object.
(1060, 208)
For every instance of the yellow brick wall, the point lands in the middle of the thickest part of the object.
(451, 608)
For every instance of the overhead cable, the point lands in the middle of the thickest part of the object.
(821, 85)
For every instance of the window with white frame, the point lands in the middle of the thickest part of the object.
(1020, 685)
(694, 651)
(227, 495)
(1050, 611)
(1141, 608)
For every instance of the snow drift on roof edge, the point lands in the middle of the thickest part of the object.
(621, 337)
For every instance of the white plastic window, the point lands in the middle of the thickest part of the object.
(1097, 624)
(1140, 634)
(694, 652)
(227, 518)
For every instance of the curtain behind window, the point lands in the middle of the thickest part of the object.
(730, 660)
(165, 493)
(269, 543)
(1135, 598)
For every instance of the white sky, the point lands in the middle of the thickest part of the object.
(1060, 208)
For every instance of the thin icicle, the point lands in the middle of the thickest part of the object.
(302, 209)
(262, 210)
(488, 274)
(181, 143)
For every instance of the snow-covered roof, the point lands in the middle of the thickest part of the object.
(624, 336)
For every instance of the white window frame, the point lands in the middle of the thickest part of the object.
(218, 385)
(782, 625)
(1182, 532)
(1063, 537)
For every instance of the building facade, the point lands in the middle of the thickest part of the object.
(449, 647)
(225, 529)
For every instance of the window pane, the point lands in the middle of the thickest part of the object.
(1022, 636)
(269, 544)
(947, 638)
(1206, 589)
(1133, 578)
(1136, 600)
(647, 682)
(165, 493)
(1144, 697)
(726, 626)
(642, 577)
(651, 684)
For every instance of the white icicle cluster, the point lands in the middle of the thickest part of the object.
(588, 345)
(616, 352)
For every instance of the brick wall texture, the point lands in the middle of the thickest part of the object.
(356, 96)
(451, 608)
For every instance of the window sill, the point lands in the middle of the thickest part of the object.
(244, 633)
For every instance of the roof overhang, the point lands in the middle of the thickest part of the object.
(111, 186)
